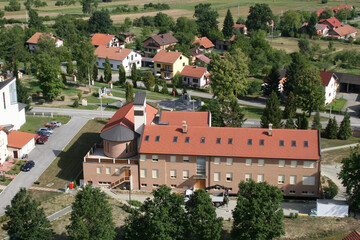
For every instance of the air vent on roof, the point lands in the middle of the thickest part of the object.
(163, 123)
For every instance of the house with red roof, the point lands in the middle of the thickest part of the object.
(330, 83)
(241, 28)
(342, 6)
(168, 63)
(320, 10)
(3, 144)
(117, 57)
(20, 143)
(142, 150)
(154, 44)
(33, 40)
(205, 44)
(332, 23)
(195, 76)
(109, 40)
(346, 32)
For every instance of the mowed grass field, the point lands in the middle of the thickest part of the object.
(179, 7)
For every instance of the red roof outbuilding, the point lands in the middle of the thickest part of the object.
(17, 139)
(205, 42)
(101, 39)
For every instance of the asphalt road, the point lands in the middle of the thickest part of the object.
(42, 155)
(89, 114)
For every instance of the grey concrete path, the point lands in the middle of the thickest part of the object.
(339, 147)
(331, 171)
(89, 114)
(2, 187)
(59, 213)
(42, 155)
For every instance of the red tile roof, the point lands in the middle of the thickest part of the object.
(239, 146)
(239, 26)
(113, 53)
(325, 78)
(191, 118)
(166, 56)
(205, 42)
(332, 21)
(320, 10)
(193, 71)
(35, 38)
(345, 30)
(101, 39)
(125, 116)
(17, 139)
(355, 235)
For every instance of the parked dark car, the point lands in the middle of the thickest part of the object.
(46, 130)
(43, 133)
(28, 165)
(41, 139)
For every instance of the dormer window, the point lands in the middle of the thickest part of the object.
(175, 139)
(146, 138)
(157, 138)
(230, 141)
(281, 143)
(249, 142)
(202, 140)
(261, 142)
(293, 143)
(306, 144)
(187, 139)
(218, 140)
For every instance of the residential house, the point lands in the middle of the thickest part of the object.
(223, 45)
(342, 6)
(195, 76)
(205, 44)
(348, 82)
(154, 44)
(197, 54)
(101, 39)
(33, 41)
(127, 37)
(241, 28)
(168, 63)
(320, 10)
(117, 57)
(345, 32)
(3, 144)
(11, 111)
(332, 23)
(20, 143)
(330, 83)
(182, 150)
(322, 29)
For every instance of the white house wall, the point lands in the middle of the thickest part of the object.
(127, 62)
(26, 149)
(3, 147)
(330, 91)
(190, 81)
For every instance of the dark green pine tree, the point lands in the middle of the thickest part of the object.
(164, 89)
(316, 125)
(272, 112)
(107, 70)
(95, 72)
(70, 66)
(302, 122)
(129, 92)
(345, 129)
(234, 115)
(290, 123)
(228, 25)
(290, 106)
(122, 75)
(217, 117)
(156, 88)
(331, 129)
(26, 219)
(273, 82)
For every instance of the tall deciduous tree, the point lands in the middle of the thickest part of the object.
(298, 64)
(260, 17)
(316, 125)
(228, 25)
(129, 92)
(258, 214)
(149, 80)
(217, 117)
(107, 70)
(309, 93)
(272, 112)
(328, 13)
(205, 18)
(100, 22)
(228, 75)
(290, 106)
(91, 216)
(234, 115)
(350, 177)
(84, 56)
(35, 21)
(202, 222)
(331, 129)
(310, 28)
(160, 218)
(345, 128)
(122, 75)
(290, 22)
(95, 72)
(26, 219)
(89, 6)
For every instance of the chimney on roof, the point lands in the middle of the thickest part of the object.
(176, 50)
(184, 127)
(197, 51)
(270, 129)
(195, 66)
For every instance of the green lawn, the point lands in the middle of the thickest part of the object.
(111, 108)
(34, 123)
(337, 105)
(16, 169)
(253, 112)
(334, 157)
(69, 163)
(326, 143)
(4, 180)
(88, 107)
(93, 99)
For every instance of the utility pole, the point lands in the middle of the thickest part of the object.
(89, 79)
(238, 10)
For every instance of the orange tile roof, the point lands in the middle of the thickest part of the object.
(191, 118)
(239, 26)
(205, 42)
(35, 38)
(239, 146)
(125, 116)
(113, 53)
(320, 10)
(17, 139)
(166, 56)
(101, 39)
(332, 21)
(193, 71)
(354, 235)
(345, 30)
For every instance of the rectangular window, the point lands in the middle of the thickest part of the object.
(306, 144)
(309, 164)
(281, 163)
(248, 162)
(186, 158)
(98, 170)
(155, 173)
(247, 177)
(146, 138)
(143, 173)
(175, 139)
(155, 185)
(13, 94)
(249, 142)
(292, 180)
(293, 164)
(4, 100)
(307, 192)
(292, 192)
(261, 142)
(187, 139)
(261, 162)
(308, 180)
(172, 158)
(157, 138)
(260, 177)
(142, 157)
(185, 174)
(216, 177)
(229, 161)
(173, 185)
(230, 140)
(281, 179)
(229, 177)
(143, 185)
(173, 174)
(108, 170)
(111, 65)
(117, 171)
(217, 160)
(293, 143)
(281, 143)
(218, 140)
(202, 140)
(155, 158)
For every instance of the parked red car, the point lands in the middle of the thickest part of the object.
(41, 139)
(50, 125)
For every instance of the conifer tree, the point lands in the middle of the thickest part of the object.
(134, 73)
(149, 80)
(316, 125)
(234, 115)
(95, 72)
(156, 88)
(272, 112)
(290, 106)
(107, 70)
(70, 66)
(290, 123)
(122, 75)
(273, 82)
(129, 92)
(164, 89)
(228, 25)
(331, 129)
(303, 122)
(345, 129)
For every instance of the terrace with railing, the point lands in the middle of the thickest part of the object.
(96, 155)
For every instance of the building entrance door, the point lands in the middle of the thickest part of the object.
(16, 154)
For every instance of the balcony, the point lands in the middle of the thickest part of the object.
(166, 70)
(96, 155)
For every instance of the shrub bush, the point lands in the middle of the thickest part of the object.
(135, 203)
(331, 190)
(76, 104)
(42, 101)
(79, 95)
(324, 1)
(62, 98)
